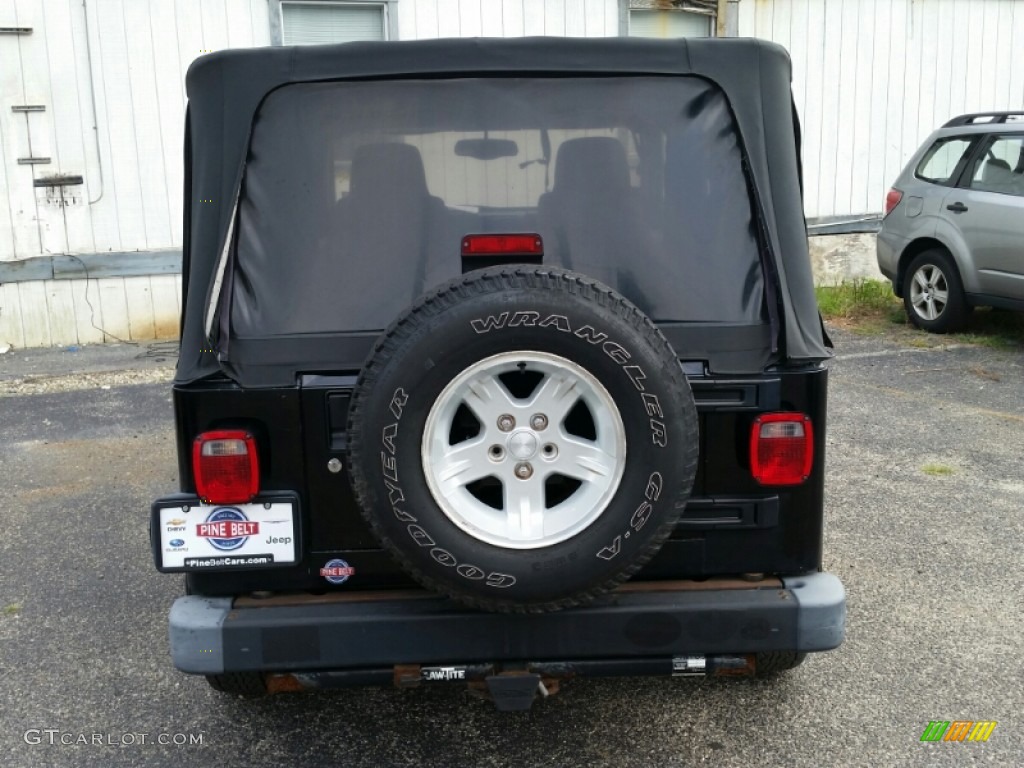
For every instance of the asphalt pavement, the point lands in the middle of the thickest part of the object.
(924, 525)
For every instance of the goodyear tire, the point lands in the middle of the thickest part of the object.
(522, 439)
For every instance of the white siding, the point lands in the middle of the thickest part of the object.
(872, 78)
(422, 19)
(140, 50)
(42, 313)
(20, 230)
(130, 56)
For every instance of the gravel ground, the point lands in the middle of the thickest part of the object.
(924, 526)
(64, 369)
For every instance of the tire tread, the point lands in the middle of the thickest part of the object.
(492, 281)
(770, 663)
(239, 683)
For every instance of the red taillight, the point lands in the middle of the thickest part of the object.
(502, 245)
(892, 200)
(225, 466)
(781, 448)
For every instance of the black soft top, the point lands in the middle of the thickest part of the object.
(226, 89)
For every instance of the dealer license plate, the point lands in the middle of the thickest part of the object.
(227, 536)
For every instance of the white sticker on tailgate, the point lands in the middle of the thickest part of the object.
(227, 536)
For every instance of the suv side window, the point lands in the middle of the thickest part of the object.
(999, 166)
(941, 161)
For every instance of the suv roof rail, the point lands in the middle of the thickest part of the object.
(976, 117)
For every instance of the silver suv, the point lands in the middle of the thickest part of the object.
(953, 233)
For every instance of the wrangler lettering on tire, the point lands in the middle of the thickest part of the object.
(522, 439)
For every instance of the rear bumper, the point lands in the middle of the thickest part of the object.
(652, 620)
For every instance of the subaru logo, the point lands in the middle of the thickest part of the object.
(177, 542)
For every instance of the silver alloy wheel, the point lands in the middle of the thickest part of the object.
(929, 292)
(525, 459)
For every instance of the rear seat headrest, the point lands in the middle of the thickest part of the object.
(589, 161)
(381, 170)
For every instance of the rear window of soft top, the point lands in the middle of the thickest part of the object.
(357, 196)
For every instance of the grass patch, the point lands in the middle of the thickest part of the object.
(996, 328)
(12, 610)
(858, 298)
(862, 306)
(937, 470)
(869, 307)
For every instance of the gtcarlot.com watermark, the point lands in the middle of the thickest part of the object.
(54, 737)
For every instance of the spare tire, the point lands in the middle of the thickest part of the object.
(522, 439)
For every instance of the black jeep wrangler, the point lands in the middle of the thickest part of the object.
(500, 363)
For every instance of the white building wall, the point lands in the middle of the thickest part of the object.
(128, 57)
(424, 19)
(872, 78)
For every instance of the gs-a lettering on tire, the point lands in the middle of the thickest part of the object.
(522, 439)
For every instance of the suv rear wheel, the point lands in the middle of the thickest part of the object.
(770, 663)
(238, 683)
(933, 294)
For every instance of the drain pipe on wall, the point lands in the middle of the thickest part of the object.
(727, 21)
(92, 94)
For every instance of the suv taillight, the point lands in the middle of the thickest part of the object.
(781, 448)
(892, 200)
(225, 466)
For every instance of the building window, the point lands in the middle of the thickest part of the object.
(317, 22)
(669, 18)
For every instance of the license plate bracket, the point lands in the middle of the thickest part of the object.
(189, 536)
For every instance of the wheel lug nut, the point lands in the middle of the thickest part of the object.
(506, 423)
(539, 421)
(523, 470)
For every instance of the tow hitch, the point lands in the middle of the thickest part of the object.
(510, 688)
(512, 692)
